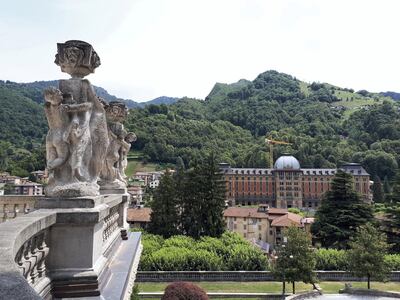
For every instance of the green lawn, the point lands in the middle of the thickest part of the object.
(354, 101)
(138, 166)
(329, 287)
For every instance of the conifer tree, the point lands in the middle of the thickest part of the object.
(377, 190)
(386, 186)
(204, 200)
(192, 204)
(340, 213)
(395, 195)
(213, 198)
(391, 226)
(164, 218)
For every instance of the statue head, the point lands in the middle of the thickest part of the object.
(53, 96)
(77, 58)
(116, 111)
(130, 137)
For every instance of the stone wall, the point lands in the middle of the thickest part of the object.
(12, 206)
(170, 276)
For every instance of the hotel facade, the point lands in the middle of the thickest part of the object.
(287, 184)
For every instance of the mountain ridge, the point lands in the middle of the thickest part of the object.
(38, 87)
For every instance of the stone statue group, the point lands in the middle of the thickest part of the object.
(87, 144)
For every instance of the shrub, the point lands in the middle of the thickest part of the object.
(393, 261)
(213, 245)
(230, 252)
(184, 291)
(179, 241)
(135, 292)
(151, 243)
(178, 259)
(331, 260)
(246, 258)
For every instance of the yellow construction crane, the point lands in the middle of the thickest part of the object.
(271, 143)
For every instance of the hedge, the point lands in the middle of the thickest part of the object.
(336, 260)
(228, 253)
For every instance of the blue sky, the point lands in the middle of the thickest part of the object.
(150, 48)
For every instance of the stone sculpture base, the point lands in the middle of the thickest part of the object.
(83, 240)
(77, 189)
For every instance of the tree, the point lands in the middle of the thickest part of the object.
(340, 213)
(391, 226)
(367, 252)
(377, 190)
(213, 198)
(204, 200)
(386, 185)
(164, 217)
(295, 259)
(395, 195)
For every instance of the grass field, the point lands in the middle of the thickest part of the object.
(329, 287)
(353, 101)
(135, 164)
(138, 166)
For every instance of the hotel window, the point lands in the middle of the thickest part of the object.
(234, 226)
(245, 227)
(245, 219)
(245, 234)
(259, 236)
(234, 219)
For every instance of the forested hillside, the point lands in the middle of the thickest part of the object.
(326, 125)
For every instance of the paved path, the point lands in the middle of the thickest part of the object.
(350, 297)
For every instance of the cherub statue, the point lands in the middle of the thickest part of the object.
(123, 155)
(66, 136)
(56, 144)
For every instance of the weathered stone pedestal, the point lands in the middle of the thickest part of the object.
(86, 234)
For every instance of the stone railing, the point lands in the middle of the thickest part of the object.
(170, 276)
(59, 251)
(12, 206)
(110, 224)
(23, 248)
(31, 258)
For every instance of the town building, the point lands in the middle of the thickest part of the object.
(6, 178)
(136, 192)
(41, 176)
(28, 188)
(287, 184)
(263, 225)
(138, 217)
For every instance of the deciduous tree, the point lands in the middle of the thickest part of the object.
(367, 253)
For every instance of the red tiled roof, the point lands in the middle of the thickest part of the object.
(252, 212)
(288, 220)
(138, 214)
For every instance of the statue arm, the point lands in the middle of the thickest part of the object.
(91, 95)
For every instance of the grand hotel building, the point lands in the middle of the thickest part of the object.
(287, 185)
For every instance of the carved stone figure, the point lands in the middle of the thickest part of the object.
(113, 172)
(78, 137)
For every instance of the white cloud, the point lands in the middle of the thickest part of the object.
(182, 47)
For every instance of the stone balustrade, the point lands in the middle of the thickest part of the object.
(12, 206)
(64, 252)
(23, 272)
